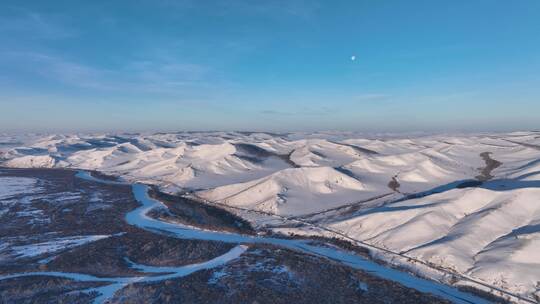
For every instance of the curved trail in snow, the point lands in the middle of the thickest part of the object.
(139, 217)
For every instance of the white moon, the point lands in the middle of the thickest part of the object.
(353, 58)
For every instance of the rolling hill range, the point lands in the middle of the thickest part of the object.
(467, 203)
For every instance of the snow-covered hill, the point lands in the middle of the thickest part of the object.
(469, 203)
(293, 191)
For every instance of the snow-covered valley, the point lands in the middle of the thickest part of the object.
(467, 203)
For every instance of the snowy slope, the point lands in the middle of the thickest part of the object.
(292, 191)
(489, 234)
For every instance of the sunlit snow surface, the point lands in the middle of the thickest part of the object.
(488, 231)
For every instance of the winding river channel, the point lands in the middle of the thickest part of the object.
(139, 217)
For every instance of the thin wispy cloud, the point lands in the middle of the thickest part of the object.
(136, 76)
(372, 97)
(275, 112)
(28, 24)
(271, 9)
(297, 8)
(57, 69)
(306, 111)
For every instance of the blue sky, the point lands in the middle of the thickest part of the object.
(269, 65)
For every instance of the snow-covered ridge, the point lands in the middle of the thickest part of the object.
(417, 195)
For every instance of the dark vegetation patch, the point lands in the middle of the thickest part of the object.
(267, 274)
(108, 257)
(202, 215)
(76, 207)
(67, 206)
(45, 289)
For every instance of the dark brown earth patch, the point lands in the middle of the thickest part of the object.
(44, 289)
(266, 274)
(394, 184)
(491, 164)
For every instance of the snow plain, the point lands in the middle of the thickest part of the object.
(419, 196)
(13, 186)
(54, 245)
